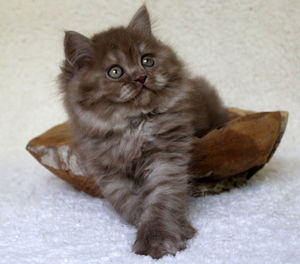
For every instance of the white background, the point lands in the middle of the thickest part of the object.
(249, 49)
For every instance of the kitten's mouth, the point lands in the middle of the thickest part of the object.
(147, 88)
(137, 95)
(144, 87)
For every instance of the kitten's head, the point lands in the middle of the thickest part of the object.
(124, 66)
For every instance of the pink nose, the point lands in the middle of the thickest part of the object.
(141, 79)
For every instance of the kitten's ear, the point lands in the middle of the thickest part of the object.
(78, 49)
(141, 21)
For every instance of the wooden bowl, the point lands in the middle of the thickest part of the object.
(222, 159)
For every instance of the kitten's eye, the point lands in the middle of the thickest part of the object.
(147, 61)
(115, 72)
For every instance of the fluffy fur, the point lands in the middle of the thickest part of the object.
(134, 133)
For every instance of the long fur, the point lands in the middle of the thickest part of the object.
(135, 138)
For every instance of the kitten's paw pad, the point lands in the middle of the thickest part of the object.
(157, 243)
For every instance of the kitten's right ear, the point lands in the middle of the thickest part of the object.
(141, 21)
(78, 49)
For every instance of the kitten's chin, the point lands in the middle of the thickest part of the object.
(144, 98)
(139, 97)
(128, 96)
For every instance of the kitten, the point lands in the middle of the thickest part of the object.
(133, 110)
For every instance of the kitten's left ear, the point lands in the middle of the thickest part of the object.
(141, 21)
(78, 49)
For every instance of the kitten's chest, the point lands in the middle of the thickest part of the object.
(138, 134)
(135, 135)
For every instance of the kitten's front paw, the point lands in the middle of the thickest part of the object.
(154, 241)
(188, 231)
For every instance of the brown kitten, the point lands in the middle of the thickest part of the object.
(133, 110)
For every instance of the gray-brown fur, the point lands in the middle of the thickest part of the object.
(136, 138)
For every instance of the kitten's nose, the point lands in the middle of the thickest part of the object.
(141, 79)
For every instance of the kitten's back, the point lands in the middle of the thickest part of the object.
(206, 106)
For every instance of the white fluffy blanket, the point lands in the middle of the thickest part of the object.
(248, 49)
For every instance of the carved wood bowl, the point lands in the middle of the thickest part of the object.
(222, 159)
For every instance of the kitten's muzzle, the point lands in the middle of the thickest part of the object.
(141, 79)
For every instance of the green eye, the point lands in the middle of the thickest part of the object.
(147, 61)
(115, 72)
